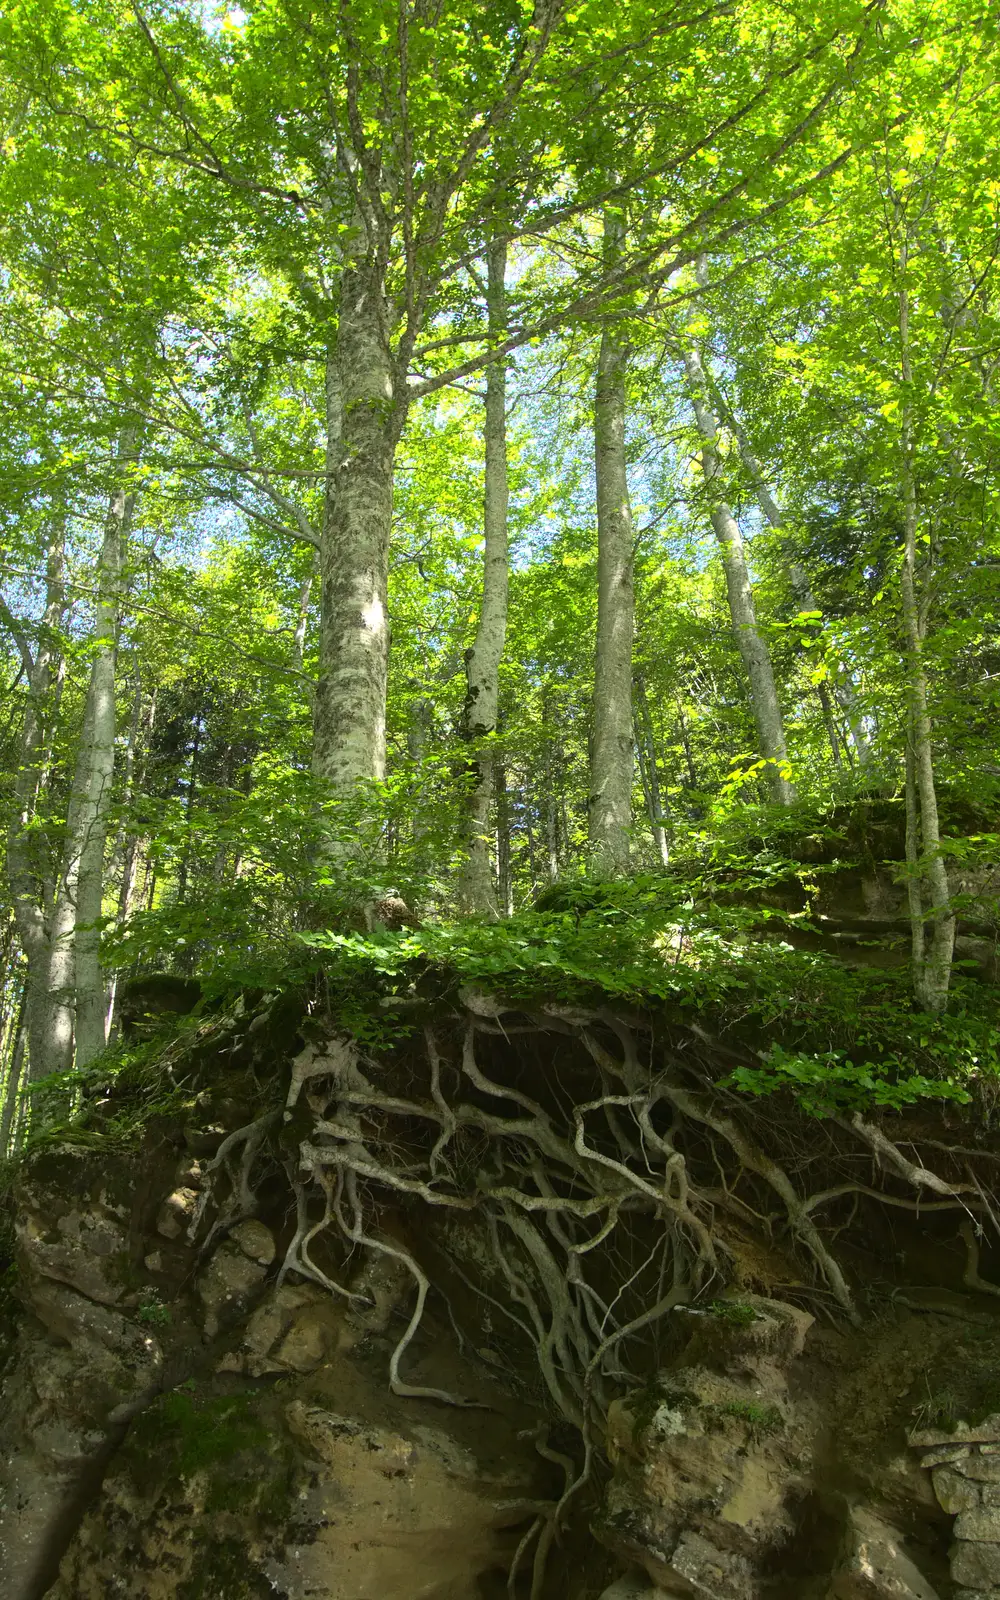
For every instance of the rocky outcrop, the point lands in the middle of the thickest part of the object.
(185, 1428)
(709, 1457)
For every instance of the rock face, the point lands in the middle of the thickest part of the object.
(708, 1458)
(875, 1565)
(184, 1429)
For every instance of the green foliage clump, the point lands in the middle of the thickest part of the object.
(828, 1082)
(734, 1311)
(184, 1433)
(836, 1038)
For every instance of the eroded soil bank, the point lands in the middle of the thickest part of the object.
(526, 1304)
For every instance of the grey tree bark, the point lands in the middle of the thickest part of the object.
(933, 935)
(611, 750)
(349, 706)
(482, 662)
(754, 653)
(646, 744)
(88, 821)
(37, 887)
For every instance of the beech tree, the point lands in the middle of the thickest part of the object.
(393, 314)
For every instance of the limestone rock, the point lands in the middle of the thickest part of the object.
(226, 1286)
(293, 1329)
(176, 1213)
(706, 1459)
(710, 1573)
(255, 1240)
(977, 1566)
(986, 1432)
(633, 1586)
(979, 1523)
(954, 1490)
(875, 1565)
(306, 1343)
(945, 1454)
(983, 1469)
(757, 1338)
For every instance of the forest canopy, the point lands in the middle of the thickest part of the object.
(503, 485)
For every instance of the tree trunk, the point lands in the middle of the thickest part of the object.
(12, 1087)
(934, 950)
(505, 881)
(692, 771)
(140, 739)
(349, 707)
(843, 688)
(753, 651)
(45, 917)
(97, 773)
(829, 722)
(611, 749)
(654, 800)
(482, 661)
(302, 621)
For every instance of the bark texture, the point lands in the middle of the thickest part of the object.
(482, 661)
(87, 835)
(45, 917)
(649, 768)
(933, 939)
(611, 749)
(349, 714)
(754, 653)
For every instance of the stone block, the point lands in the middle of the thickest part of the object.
(254, 1240)
(944, 1454)
(986, 1432)
(983, 1469)
(982, 1525)
(954, 1491)
(227, 1284)
(975, 1565)
(176, 1213)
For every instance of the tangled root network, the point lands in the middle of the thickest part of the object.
(614, 1192)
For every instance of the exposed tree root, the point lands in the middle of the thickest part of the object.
(560, 1189)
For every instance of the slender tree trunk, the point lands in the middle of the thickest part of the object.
(482, 661)
(829, 722)
(753, 651)
(654, 800)
(692, 770)
(349, 707)
(302, 621)
(45, 916)
(611, 750)
(130, 854)
(505, 882)
(551, 831)
(97, 777)
(12, 1088)
(933, 953)
(189, 799)
(843, 688)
